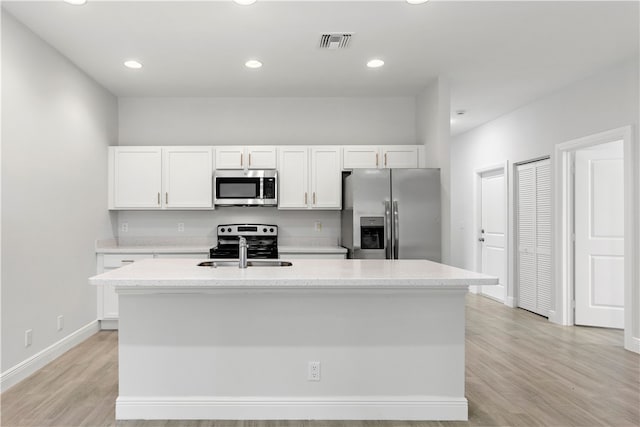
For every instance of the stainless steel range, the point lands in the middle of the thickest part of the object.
(262, 241)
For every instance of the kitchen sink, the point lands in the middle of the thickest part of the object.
(252, 263)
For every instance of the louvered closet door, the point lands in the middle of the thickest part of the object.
(534, 236)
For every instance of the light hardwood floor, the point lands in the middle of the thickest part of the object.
(521, 371)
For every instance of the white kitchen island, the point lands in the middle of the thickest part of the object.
(229, 343)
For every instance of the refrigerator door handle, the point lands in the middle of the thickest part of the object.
(387, 230)
(396, 230)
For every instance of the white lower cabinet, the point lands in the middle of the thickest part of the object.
(107, 297)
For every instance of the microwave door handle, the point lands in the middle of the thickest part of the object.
(261, 196)
(387, 230)
(396, 230)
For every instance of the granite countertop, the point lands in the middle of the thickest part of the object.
(365, 274)
(168, 246)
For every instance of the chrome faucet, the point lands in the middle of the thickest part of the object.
(242, 243)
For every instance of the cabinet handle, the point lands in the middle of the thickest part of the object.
(377, 159)
(385, 160)
(305, 197)
(249, 159)
(314, 197)
(158, 198)
(241, 163)
(126, 261)
(166, 198)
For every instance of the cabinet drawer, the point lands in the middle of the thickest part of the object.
(288, 256)
(119, 260)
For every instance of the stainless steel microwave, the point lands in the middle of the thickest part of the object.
(245, 188)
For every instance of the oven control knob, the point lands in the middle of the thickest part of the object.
(229, 229)
(222, 230)
(264, 230)
(271, 230)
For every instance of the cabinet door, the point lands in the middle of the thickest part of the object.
(230, 157)
(136, 177)
(188, 175)
(326, 178)
(364, 156)
(107, 296)
(261, 157)
(293, 178)
(401, 156)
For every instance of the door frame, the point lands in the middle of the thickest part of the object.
(504, 167)
(564, 227)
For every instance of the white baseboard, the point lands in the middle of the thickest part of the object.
(22, 370)
(511, 302)
(293, 408)
(633, 345)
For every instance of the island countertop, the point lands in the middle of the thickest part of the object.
(393, 274)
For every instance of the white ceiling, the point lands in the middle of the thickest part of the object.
(496, 55)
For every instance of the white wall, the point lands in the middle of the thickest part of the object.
(433, 129)
(294, 226)
(256, 121)
(56, 126)
(604, 101)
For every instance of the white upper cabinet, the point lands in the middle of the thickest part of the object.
(310, 177)
(293, 178)
(135, 177)
(160, 177)
(361, 157)
(187, 176)
(381, 156)
(261, 157)
(252, 157)
(229, 157)
(399, 156)
(326, 177)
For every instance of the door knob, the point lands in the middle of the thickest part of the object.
(481, 239)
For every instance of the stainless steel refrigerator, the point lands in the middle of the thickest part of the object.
(392, 214)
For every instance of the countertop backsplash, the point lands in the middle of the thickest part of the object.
(295, 228)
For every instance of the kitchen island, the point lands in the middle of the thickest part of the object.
(321, 339)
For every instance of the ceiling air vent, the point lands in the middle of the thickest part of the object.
(335, 41)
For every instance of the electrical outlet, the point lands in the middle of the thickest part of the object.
(313, 371)
(317, 226)
(181, 226)
(124, 227)
(60, 322)
(28, 337)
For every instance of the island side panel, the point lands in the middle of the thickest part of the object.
(243, 354)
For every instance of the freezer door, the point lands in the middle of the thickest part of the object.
(416, 213)
(369, 190)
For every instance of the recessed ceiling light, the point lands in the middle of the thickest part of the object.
(375, 63)
(417, 1)
(245, 2)
(134, 65)
(76, 2)
(253, 63)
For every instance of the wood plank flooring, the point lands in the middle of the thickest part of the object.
(521, 371)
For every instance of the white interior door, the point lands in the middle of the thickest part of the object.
(599, 229)
(533, 217)
(492, 233)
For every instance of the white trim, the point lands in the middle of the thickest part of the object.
(563, 225)
(22, 370)
(504, 167)
(511, 302)
(293, 408)
(109, 324)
